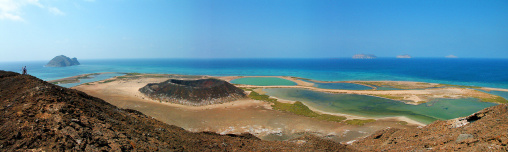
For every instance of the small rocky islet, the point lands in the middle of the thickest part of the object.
(364, 56)
(62, 61)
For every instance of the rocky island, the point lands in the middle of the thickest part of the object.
(364, 56)
(451, 56)
(193, 92)
(405, 56)
(62, 61)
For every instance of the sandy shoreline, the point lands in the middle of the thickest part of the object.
(246, 115)
(409, 96)
(76, 79)
(258, 117)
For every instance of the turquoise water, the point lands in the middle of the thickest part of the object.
(263, 81)
(92, 78)
(369, 106)
(498, 93)
(476, 72)
(342, 86)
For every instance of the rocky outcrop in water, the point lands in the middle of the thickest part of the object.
(62, 61)
(39, 116)
(193, 92)
(364, 56)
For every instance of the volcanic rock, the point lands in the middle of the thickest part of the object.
(486, 130)
(193, 92)
(62, 61)
(39, 116)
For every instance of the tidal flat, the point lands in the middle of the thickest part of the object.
(261, 119)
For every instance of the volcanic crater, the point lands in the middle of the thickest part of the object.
(193, 92)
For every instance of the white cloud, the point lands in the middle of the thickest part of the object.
(12, 9)
(10, 17)
(55, 11)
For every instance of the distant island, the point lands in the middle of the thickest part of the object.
(62, 61)
(364, 56)
(405, 56)
(451, 56)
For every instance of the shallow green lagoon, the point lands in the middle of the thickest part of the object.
(263, 81)
(387, 88)
(92, 78)
(342, 86)
(339, 85)
(498, 93)
(369, 106)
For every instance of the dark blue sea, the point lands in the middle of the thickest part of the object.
(475, 72)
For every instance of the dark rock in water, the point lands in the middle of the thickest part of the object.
(62, 61)
(193, 92)
(39, 116)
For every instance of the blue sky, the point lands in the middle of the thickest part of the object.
(96, 29)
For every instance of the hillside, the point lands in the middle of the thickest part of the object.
(37, 115)
(486, 130)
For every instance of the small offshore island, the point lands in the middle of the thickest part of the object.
(364, 56)
(62, 61)
(297, 116)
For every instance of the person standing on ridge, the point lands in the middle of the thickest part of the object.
(24, 70)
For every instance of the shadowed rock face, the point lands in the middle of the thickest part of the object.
(193, 92)
(39, 116)
(62, 61)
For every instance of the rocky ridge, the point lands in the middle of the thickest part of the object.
(193, 92)
(486, 130)
(39, 116)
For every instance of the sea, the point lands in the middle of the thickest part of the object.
(457, 71)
